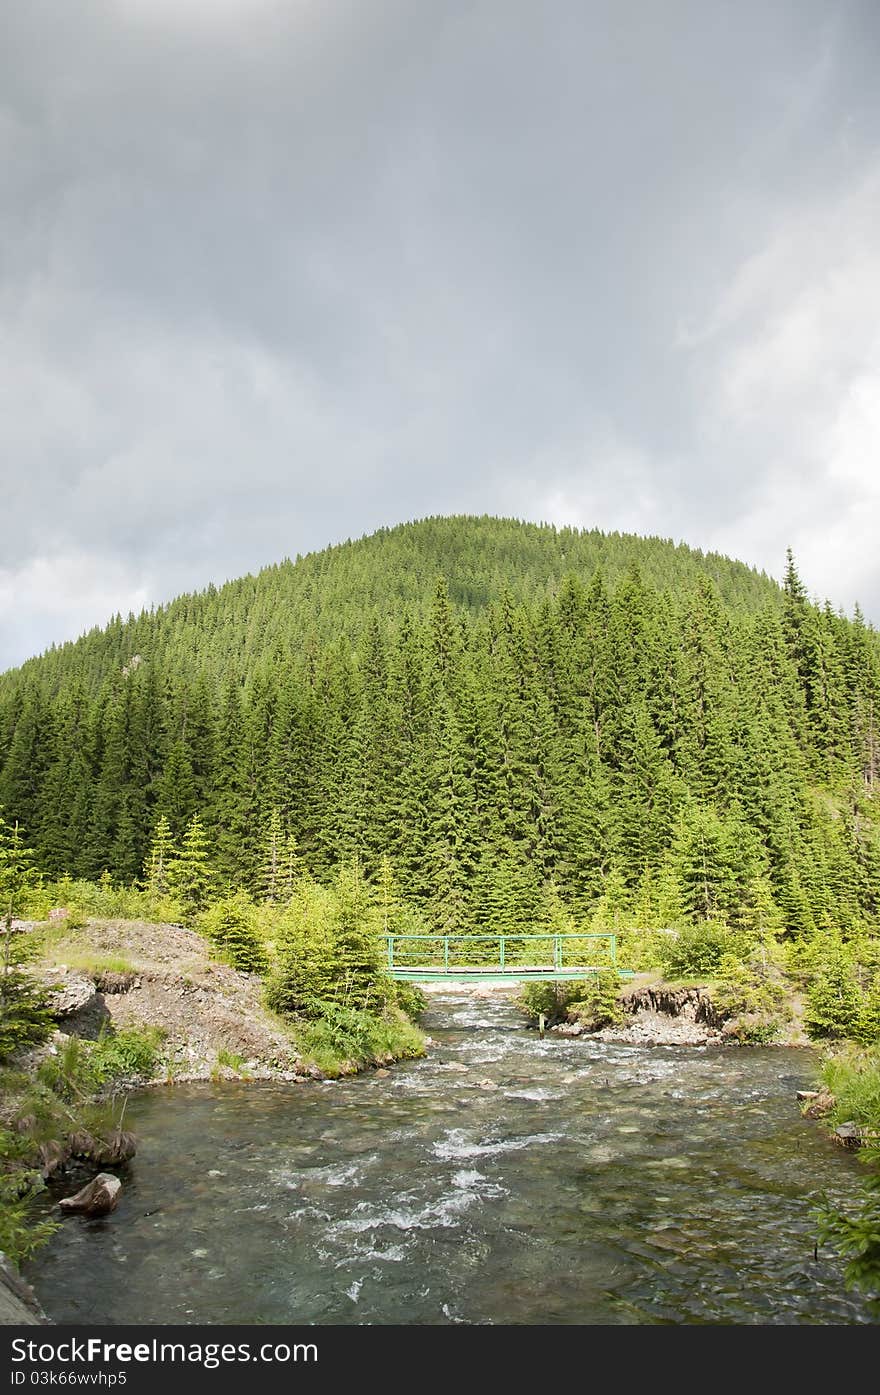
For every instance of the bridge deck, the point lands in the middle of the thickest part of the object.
(489, 973)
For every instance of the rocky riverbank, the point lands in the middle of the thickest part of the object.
(213, 1025)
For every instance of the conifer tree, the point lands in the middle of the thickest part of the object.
(273, 857)
(159, 867)
(230, 925)
(24, 1019)
(190, 875)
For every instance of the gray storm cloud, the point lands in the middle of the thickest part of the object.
(273, 274)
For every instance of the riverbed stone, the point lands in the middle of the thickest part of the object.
(849, 1134)
(96, 1198)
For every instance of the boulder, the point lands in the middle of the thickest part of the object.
(97, 1198)
(69, 994)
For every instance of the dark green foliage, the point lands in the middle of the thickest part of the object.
(834, 1004)
(853, 1077)
(856, 1235)
(868, 1028)
(24, 1020)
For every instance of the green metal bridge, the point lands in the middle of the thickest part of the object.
(487, 958)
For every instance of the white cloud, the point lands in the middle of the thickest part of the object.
(52, 599)
(793, 382)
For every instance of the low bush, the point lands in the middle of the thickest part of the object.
(346, 1036)
(129, 1054)
(410, 999)
(852, 1076)
(697, 950)
(548, 999)
(600, 1004)
(231, 926)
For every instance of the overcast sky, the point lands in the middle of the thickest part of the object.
(277, 272)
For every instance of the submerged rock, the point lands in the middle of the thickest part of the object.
(97, 1198)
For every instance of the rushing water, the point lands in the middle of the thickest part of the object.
(504, 1179)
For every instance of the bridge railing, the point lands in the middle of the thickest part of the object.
(536, 951)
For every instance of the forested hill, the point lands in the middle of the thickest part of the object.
(336, 592)
(517, 717)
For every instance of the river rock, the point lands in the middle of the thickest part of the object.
(97, 1198)
(822, 1104)
(382, 1073)
(849, 1134)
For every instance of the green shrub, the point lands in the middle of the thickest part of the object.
(600, 1004)
(834, 1003)
(856, 1236)
(754, 1029)
(697, 950)
(548, 999)
(24, 1016)
(132, 1053)
(853, 1077)
(343, 1036)
(101, 900)
(410, 999)
(868, 1027)
(327, 950)
(20, 1234)
(231, 926)
(642, 950)
(745, 988)
(231, 1060)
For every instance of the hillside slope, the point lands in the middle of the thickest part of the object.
(527, 723)
(338, 590)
